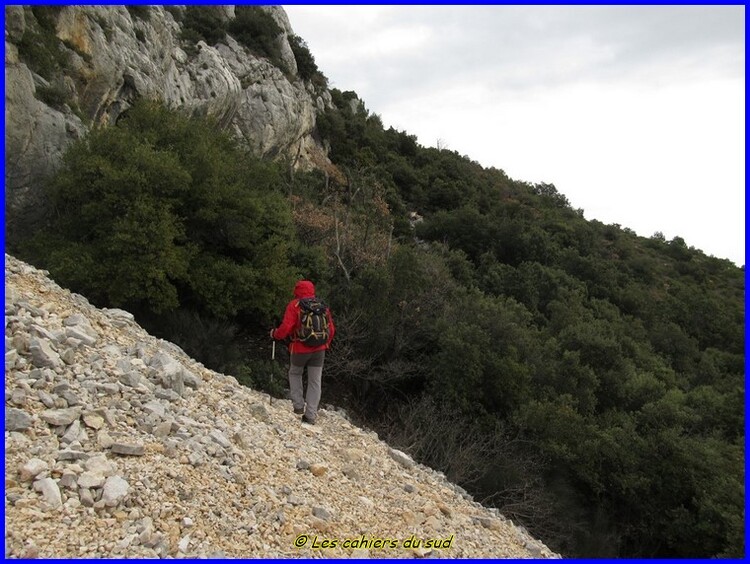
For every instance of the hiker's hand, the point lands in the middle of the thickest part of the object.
(272, 331)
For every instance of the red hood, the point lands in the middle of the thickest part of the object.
(304, 289)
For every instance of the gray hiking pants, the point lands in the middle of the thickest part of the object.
(314, 363)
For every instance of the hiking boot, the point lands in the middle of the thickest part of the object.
(308, 421)
(299, 410)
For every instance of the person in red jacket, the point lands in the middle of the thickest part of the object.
(301, 355)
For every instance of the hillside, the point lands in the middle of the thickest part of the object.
(120, 445)
(584, 381)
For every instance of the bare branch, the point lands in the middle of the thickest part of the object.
(337, 252)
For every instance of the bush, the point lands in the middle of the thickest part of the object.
(162, 211)
(39, 47)
(256, 29)
(140, 12)
(214, 342)
(203, 23)
(306, 67)
(176, 11)
(53, 95)
(46, 16)
(264, 375)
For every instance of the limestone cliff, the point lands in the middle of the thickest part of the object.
(99, 59)
(117, 444)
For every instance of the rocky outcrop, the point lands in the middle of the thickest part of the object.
(36, 136)
(117, 444)
(113, 57)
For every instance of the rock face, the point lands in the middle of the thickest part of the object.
(96, 467)
(112, 58)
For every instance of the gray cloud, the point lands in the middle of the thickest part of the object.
(528, 47)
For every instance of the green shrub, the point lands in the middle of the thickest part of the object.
(40, 48)
(53, 95)
(256, 29)
(214, 342)
(139, 12)
(203, 23)
(162, 210)
(46, 16)
(306, 67)
(264, 375)
(176, 11)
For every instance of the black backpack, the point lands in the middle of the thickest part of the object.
(313, 322)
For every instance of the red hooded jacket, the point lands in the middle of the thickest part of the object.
(290, 323)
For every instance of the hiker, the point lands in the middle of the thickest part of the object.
(307, 348)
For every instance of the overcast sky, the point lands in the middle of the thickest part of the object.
(635, 113)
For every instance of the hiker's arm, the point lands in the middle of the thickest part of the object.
(287, 324)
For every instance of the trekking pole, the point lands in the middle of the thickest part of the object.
(273, 357)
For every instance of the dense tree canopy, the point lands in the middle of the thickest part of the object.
(162, 212)
(618, 359)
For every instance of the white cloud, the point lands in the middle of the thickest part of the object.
(388, 43)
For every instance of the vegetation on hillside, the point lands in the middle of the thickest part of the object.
(49, 57)
(613, 364)
(587, 381)
(253, 27)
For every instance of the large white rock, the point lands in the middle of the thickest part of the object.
(115, 490)
(100, 465)
(43, 355)
(61, 416)
(50, 492)
(33, 468)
